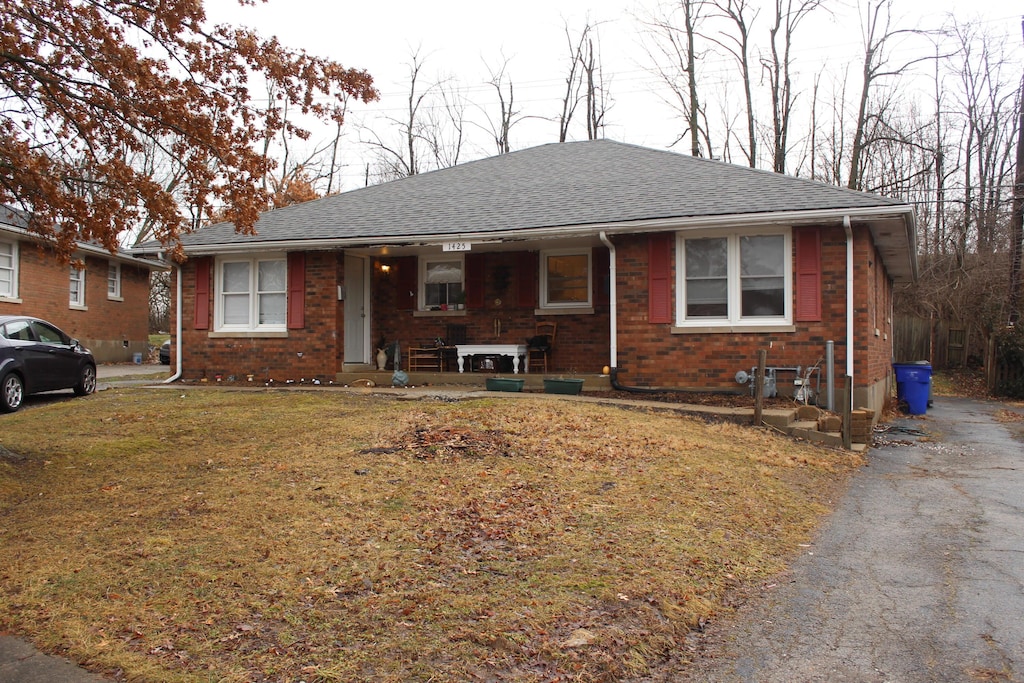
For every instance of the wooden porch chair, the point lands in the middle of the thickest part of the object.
(538, 351)
(454, 335)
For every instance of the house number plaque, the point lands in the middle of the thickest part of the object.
(455, 246)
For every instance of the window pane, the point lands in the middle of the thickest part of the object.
(444, 272)
(6, 269)
(707, 283)
(236, 309)
(272, 276)
(272, 309)
(763, 284)
(236, 277)
(77, 295)
(113, 280)
(568, 279)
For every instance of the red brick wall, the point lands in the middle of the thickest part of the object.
(312, 352)
(105, 325)
(650, 355)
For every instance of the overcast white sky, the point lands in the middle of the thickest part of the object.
(461, 38)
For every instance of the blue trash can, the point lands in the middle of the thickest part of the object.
(913, 386)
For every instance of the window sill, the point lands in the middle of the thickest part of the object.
(10, 300)
(735, 329)
(248, 334)
(76, 307)
(439, 314)
(581, 310)
(115, 298)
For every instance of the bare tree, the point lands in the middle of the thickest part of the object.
(508, 115)
(585, 83)
(738, 45)
(788, 16)
(675, 60)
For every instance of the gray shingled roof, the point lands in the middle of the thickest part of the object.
(550, 186)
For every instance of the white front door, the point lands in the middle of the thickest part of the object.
(357, 311)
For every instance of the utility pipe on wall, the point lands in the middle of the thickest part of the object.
(177, 328)
(613, 316)
(849, 296)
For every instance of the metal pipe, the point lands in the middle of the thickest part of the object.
(830, 374)
(177, 328)
(849, 297)
(613, 310)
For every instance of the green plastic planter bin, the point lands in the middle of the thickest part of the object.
(563, 386)
(504, 384)
(913, 386)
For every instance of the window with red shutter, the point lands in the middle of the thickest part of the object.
(808, 274)
(659, 278)
(296, 291)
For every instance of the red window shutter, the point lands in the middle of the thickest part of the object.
(296, 290)
(526, 269)
(475, 281)
(659, 278)
(406, 283)
(204, 277)
(600, 263)
(808, 274)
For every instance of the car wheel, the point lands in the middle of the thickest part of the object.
(12, 393)
(87, 384)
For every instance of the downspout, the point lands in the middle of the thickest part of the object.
(613, 307)
(177, 328)
(849, 297)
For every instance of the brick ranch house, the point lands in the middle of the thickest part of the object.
(672, 269)
(105, 305)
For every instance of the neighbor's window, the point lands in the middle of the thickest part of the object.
(442, 283)
(9, 270)
(252, 293)
(734, 278)
(113, 280)
(77, 289)
(565, 279)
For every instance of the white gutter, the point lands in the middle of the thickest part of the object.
(849, 298)
(551, 232)
(177, 329)
(613, 312)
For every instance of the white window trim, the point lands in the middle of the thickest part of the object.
(12, 296)
(79, 303)
(421, 294)
(546, 305)
(734, 321)
(253, 326)
(116, 294)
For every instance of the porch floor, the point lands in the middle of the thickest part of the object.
(469, 380)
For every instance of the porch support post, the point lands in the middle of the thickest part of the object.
(849, 299)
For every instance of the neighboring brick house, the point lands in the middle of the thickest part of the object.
(105, 305)
(673, 269)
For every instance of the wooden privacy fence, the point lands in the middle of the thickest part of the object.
(943, 343)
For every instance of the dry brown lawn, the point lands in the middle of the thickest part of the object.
(217, 535)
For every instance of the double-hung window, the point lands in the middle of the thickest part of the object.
(114, 281)
(565, 278)
(77, 287)
(735, 279)
(442, 282)
(9, 270)
(252, 293)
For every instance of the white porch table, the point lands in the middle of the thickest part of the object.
(514, 350)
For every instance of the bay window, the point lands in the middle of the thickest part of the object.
(739, 278)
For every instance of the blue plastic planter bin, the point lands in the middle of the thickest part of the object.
(913, 386)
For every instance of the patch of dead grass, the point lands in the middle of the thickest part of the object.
(248, 536)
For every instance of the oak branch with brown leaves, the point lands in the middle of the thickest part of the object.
(87, 85)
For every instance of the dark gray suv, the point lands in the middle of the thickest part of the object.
(36, 356)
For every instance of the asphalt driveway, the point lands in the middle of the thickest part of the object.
(917, 576)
